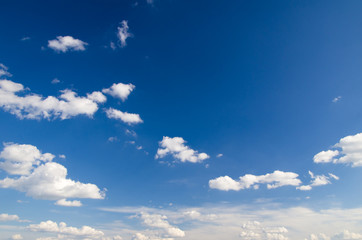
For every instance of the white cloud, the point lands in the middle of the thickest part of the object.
(123, 33)
(63, 229)
(66, 203)
(345, 235)
(4, 217)
(177, 148)
(318, 180)
(350, 153)
(66, 43)
(336, 99)
(160, 221)
(129, 118)
(97, 97)
(46, 180)
(16, 237)
(55, 81)
(254, 230)
(4, 71)
(120, 90)
(273, 180)
(33, 106)
(20, 159)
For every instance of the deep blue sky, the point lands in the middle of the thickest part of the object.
(252, 80)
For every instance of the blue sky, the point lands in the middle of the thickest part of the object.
(160, 120)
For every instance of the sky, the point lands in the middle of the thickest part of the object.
(180, 120)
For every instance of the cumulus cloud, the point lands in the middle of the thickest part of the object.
(129, 118)
(4, 71)
(33, 106)
(350, 152)
(120, 90)
(66, 43)
(65, 203)
(42, 180)
(176, 148)
(4, 217)
(318, 180)
(63, 229)
(123, 33)
(20, 159)
(16, 237)
(254, 230)
(160, 221)
(97, 97)
(345, 235)
(273, 180)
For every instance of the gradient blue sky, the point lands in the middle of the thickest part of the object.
(258, 86)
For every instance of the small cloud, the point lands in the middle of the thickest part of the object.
(131, 142)
(129, 118)
(66, 43)
(150, 2)
(55, 81)
(4, 71)
(113, 139)
(123, 33)
(112, 45)
(131, 133)
(139, 147)
(219, 155)
(62, 156)
(336, 99)
(66, 203)
(16, 237)
(25, 39)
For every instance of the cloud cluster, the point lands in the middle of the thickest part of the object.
(318, 180)
(63, 229)
(160, 222)
(254, 230)
(33, 106)
(176, 148)
(66, 43)
(273, 180)
(123, 33)
(129, 118)
(41, 178)
(349, 152)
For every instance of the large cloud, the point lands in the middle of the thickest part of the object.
(273, 180)
(176, 147)
(349, 152)
(42, 180)
(66, 43)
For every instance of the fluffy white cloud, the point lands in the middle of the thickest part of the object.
(120, 90)
(16, 237)
(345, 235)
(273, 180)
(46, 180)
(123, 33)
(66, 203)
(33, 106)
(177, 148)
(4, 217)
(20, 159)
(350, 153)
(97, 97)
(129, 118)
(4, 71)
(160, 221)
(254, 230)
(62, 228)
(318, 180)
(66, 43)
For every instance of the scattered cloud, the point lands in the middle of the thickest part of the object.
(16, 237)
(336, 99)
(4, 217)
(55, 81)
(318, 180)
(42, 178)
(123, 33)
(113, 139)
(177, 149)
(4, 71)
(65, 203)
(66, 43)
(273, 180)
(120, 90)
(349, 152)
(25, 39)
(219, 155)
(63, 229)
(33, 106)
(129, 118)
